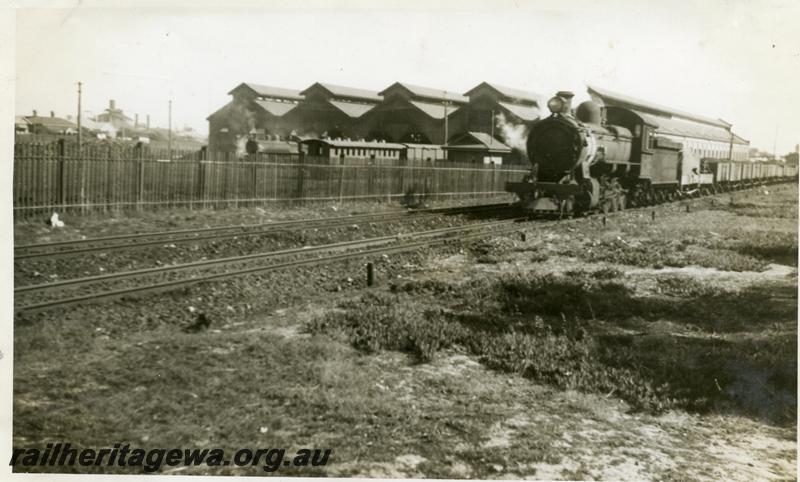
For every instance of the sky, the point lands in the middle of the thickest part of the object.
(735, 60)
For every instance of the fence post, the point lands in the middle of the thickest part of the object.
(300, 175)
(140, 180)
(254, 188)
(275, 180)
(370, 181)
(431, 188)
(60, 179)
(83, 167)
(201, 182)
(109, 181)
(341, 181)
(401, 178)
(388, 185)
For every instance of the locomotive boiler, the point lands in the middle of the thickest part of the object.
(574, 160)
(595, 158)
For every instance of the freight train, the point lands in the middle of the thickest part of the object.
(607, 158)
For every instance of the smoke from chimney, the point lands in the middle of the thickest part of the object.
(515, 135)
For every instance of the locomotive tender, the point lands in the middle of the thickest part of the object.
(605, 158)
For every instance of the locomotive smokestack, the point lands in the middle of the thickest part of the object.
(561, 103)
(567, 96)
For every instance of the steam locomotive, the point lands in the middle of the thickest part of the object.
(610, 157)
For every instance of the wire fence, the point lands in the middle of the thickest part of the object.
(55, 177)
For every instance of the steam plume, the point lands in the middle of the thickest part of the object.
(515, 135)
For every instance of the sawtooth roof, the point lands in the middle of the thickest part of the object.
(428, 93)
(352, 109)
(433, 110)
(274, 107)
(340, 91)
(510, 93)
(524, 112)
(270, 91)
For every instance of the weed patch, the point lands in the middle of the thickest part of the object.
(554, 329)
(658, 254)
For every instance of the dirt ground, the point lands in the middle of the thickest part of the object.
(262, 378)
(34, 229)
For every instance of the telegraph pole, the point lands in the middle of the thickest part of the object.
(169, 142)
(79, 117)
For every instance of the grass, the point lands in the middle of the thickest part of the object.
(373, 379)
(555, 330)
(254, 389)
(660, 253)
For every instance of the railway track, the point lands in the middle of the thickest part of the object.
(81, 290)
(139, 240)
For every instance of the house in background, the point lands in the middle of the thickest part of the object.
(21, 125)
(50, 125)
(115, 117)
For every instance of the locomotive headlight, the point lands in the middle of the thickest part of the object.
(556, 105)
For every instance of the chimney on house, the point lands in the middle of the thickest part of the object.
(34, 112)
(52, 113)
(135, 120)
(112, 105)
(148, 122)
